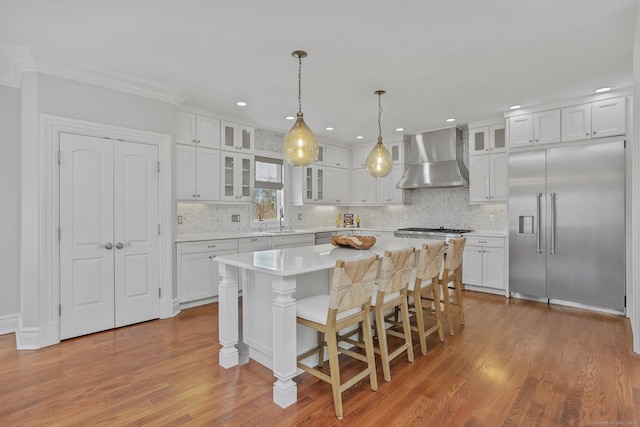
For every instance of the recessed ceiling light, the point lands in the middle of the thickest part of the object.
(329, 128)
(359, 137)
(603, 89)
(289, 117)
(241, 104)
(450, 120)
(515, 107)
(399, 129)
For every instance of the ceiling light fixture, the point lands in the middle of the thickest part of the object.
(241, 104)
(603, 89)
(399, 129)
(359, 137)
(289, 118)
(450, 120)
(329, 128)
(379, 162)
(515, 107)
(300, 147)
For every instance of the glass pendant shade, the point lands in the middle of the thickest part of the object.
(379, 161)
(300, 147)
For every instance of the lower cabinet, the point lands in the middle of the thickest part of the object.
(197, 272)
(293, 241)
(483, 265)
(253, 244)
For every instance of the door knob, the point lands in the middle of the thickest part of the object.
(121, 245)
(107, 246)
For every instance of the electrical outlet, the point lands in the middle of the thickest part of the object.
(299, 217)
(179, 219)
(235, 218)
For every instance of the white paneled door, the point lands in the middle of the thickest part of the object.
(109, 246)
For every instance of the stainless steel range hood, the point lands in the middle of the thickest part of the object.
(436, 160)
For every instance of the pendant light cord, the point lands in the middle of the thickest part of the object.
(379, 115)
(299, 84)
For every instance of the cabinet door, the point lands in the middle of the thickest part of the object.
(320, 159)
(498, 138)
(498, 177)
(198, 276)
(228, 135)
(245, 178)
(521, 130)
(546, 127)
(396, 195)
(472, 265)
(185, 128)
(343, 185)
(576, 123)
(359, 157)
(478, 141)
(608, 117)
(253, 244)
(493, 268)
(397, 150)
(208, 132)
(363, 188)
(479, 168)
(246, 138)
(185, 172)
(207, 174)
(236, 177)
(309, 185)
(336, 156)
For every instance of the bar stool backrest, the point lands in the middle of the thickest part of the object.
(454, 253)
(395, 271)
(430, 261)
(352, 284)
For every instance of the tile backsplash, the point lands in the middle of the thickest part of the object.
(430, 207)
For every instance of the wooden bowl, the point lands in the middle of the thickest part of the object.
(355, 242)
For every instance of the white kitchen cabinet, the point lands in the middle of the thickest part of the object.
(488, 179)
(608, 118)
(363, 187)
(546, 127)
(236, 137)
(576, 122)
(254, 244)
(293, 241)
(487, 139)
(314, 184)
(237, 177)
(337, 188)
(537, 128)
(194, 129)
(337, 157)
(197, 272)
(359, 157)
(483, 265)
(386, 191)
(399, 151)
(197, 173)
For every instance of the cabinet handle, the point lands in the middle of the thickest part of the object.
(593, 132)
(530, 140)
(194, 196)
(198, 195)
(587, 134)
(482, 241)
(254, 240)
(211, 246)
(194, 141)
(212, 257)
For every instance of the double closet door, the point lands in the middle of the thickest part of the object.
(109, 244)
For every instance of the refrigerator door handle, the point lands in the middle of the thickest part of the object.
(553, 223)
(538, 234)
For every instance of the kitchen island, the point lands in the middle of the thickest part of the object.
(271, 281)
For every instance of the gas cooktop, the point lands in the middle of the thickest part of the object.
(454, 232)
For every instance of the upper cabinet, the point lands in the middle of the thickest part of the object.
(335, 156)
(237, 176)
(487, 139)
(194, 129)
(598, 119)
(537, 128)
(236, 137)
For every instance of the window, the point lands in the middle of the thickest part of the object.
(268, 189)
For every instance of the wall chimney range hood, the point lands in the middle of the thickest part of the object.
(436, 160)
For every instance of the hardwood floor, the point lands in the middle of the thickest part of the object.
(515, 363)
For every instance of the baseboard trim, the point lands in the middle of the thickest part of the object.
(9, 323)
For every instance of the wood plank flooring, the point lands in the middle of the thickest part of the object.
(515, 363)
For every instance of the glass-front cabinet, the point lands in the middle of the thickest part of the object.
(235, 137)
(237, 177)
(314, 184)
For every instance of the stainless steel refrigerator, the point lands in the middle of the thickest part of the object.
(567, 224)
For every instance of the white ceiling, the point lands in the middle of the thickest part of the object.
(467, 59)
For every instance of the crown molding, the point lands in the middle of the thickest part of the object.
(112, 80)
(15, 60)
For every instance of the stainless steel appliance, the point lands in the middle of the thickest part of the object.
(435, 233)
(323, 237)
(566, 224)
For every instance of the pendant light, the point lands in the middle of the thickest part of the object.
(300, 147)
(379, 162)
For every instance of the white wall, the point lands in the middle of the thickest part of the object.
(10, 212)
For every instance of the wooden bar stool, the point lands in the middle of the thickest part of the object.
(392, 291)
(452, 273)
(424, 292)
(347, 304)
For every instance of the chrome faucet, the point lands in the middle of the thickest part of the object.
(281, 217)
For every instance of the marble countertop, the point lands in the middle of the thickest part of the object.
(269, 233)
